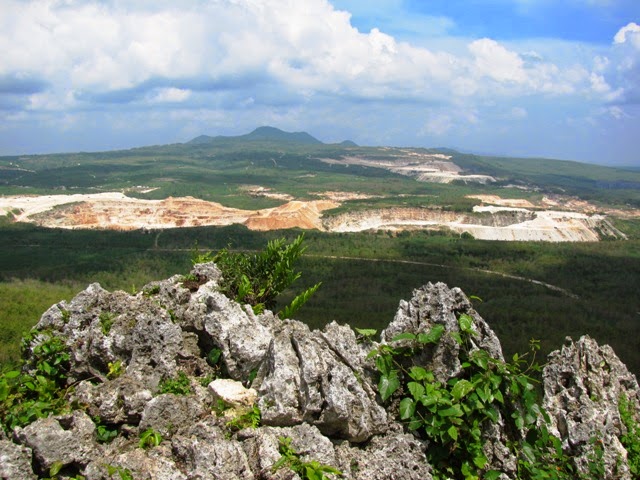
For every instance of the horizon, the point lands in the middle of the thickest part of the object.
(512, 78)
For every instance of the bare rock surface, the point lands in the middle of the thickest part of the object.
(316, 388)
(583, 385)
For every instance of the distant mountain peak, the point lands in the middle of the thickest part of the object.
(275, 134)
(263, 134)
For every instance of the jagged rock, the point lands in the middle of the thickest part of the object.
(205, 452)
(316, 387)
(68, 439)
(121, 400)
(262, 448)
(305, 379)
(153, 464)
(393, 455)
(583, 383)
(437, 304)
(15, 461)
(167, 412)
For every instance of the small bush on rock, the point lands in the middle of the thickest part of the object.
(259, 278)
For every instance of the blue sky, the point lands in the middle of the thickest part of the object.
(559, 79)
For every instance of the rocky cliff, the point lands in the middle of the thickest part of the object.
(179, 382)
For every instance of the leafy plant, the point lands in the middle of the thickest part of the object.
(631, 439)
(365, 334)
(453, 415)
(115, 369)
(312, 470)
(123, 473)
(259, 278)
(151, 290)
(104, 434)
(249, 419)
(150, 438)
(106, 322)
(38, 386)
(178, 386)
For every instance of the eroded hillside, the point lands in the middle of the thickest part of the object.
(503, 219)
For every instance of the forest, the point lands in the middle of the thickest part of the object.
(592, 287)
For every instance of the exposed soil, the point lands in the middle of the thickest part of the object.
(506, 219)
(424, 167)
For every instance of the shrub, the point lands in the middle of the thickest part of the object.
(257, 279)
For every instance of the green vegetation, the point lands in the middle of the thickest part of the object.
(307, 470)
(258, 279)
(38, 386)
(631, 439)
(251, 418)
(149, 439)
(452, 415)
(178, 386)
(364, 275)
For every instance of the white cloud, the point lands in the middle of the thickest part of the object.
(170, 95)
(629, 33)
(495, 61)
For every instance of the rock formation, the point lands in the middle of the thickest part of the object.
(316, 388)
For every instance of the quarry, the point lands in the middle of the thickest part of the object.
(495, 218)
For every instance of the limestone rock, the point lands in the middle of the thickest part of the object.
(168, 412)
(15, 461)
(317, 388)
(68, 439)
(205, 452)
(437, 304)
(583, 384)
(304, 378)
(393, 455)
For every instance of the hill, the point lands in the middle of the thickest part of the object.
(260, 134)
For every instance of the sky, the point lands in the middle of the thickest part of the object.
(549, 78)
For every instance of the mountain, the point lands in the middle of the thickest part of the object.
(260, 134)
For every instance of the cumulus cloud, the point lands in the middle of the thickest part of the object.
(629, 33)
(119, 52)
(246, 62)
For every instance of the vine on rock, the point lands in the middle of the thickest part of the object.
(454, 415)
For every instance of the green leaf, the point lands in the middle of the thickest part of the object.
(416, 389)
(419, 373)
(407, 408)
(432, 336)
(453, 433)
(388, 385)
(12, 374)
(453, 411)
(384, 364)
(55, 468)
(403, 336)
(366, 332)
(461, 388)
(466, 323)
(480, 461)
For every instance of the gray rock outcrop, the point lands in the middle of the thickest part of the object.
(583, 385)
(317, 388)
